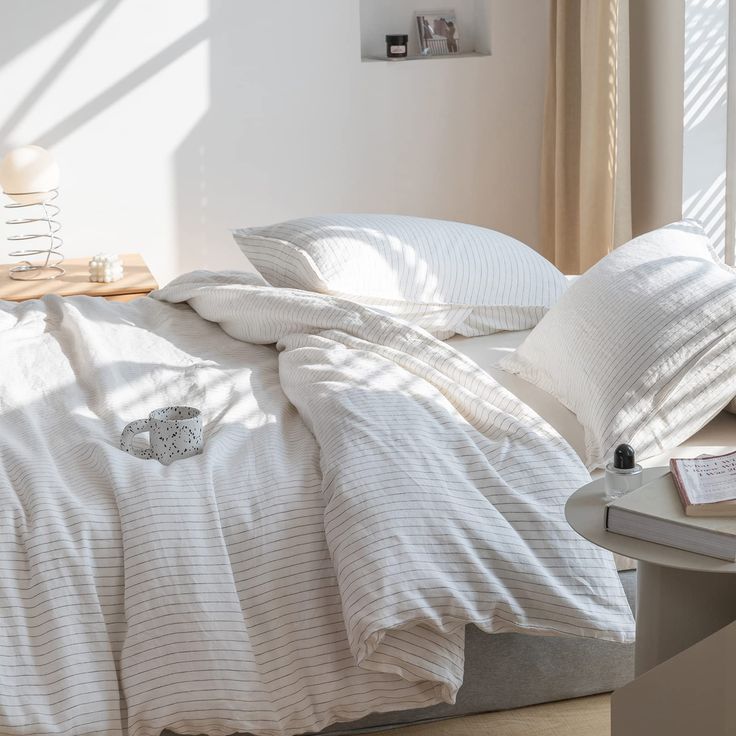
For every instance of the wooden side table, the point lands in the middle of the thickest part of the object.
(137, 281)
(681, 597)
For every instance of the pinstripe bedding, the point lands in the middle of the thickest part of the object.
(365, 491)
(642, 347)
(447, 277)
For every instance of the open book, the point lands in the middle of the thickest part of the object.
(707, 484)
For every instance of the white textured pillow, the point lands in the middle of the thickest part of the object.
(642, 347)
(447, 277)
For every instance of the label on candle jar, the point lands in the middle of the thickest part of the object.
(398, 49)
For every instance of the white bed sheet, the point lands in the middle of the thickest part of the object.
(486, 351)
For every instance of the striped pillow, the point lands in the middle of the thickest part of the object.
(447, 277)
(642, 347)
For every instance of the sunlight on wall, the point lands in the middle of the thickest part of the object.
(176, 121)
(705, 116)
(112, 91)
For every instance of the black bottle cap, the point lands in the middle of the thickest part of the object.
(624, 458)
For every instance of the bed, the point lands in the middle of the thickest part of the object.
(371, 506)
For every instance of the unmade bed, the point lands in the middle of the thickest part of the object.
(365, 495)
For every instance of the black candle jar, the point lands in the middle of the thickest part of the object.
(397, 46)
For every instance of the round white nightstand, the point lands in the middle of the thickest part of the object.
(681, 597)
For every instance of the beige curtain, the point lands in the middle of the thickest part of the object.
(586, 181)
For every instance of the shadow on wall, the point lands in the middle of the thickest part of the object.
(27, 24)
(275, 118)
(704, 122)
(98, 34)
(26, 17)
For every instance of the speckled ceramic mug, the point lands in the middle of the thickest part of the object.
(174, 432)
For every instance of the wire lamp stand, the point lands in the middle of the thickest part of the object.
(46, 212)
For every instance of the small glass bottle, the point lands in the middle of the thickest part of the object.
(397, 46)
(623, 474)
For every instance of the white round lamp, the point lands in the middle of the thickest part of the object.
(29, 175)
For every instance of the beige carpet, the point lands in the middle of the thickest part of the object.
(579, 717)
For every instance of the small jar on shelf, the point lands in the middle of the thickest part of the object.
(397, 46)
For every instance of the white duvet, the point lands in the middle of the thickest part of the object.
(365, 491)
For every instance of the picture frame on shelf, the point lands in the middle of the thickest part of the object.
(438, 32)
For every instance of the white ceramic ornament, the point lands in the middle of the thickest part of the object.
(105, 268)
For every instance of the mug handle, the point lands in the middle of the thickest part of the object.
(128, 435)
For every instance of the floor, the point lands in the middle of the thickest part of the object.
(579, 717)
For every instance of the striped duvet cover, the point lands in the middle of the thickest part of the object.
(365, 491)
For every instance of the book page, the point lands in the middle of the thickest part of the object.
(709, 479)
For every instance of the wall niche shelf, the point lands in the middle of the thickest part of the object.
(381, 17)
(466, 55)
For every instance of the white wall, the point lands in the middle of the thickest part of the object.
(704, 189)
(175, 120)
